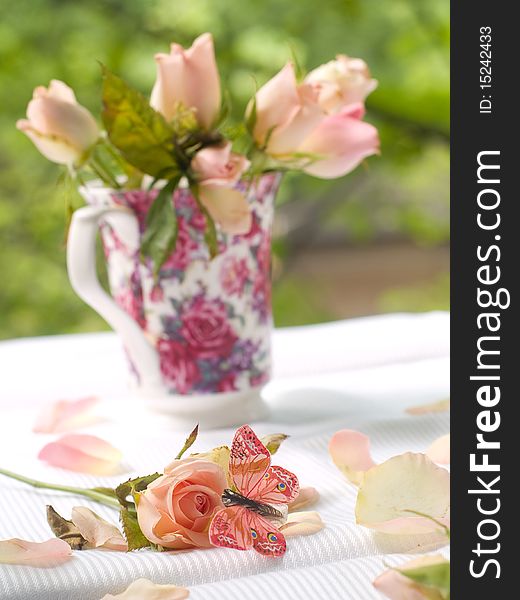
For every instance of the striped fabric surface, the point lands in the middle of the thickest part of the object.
(340, 562)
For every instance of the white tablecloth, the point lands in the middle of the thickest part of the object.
(359, 374)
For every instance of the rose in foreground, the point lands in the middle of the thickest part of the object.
(189, 77)
(292, 127)
(61, 129)
(144, 589)
(175, 510)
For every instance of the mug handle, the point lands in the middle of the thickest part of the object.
(81, 266)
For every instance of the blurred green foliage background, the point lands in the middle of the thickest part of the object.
(374, 241)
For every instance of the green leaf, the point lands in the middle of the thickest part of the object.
(133, 486)
(273, 442)
(251, 115)
(210, 232)
(436, 576)
(161, 227)
(140, 133)
(65, 530)
(133, 534)
(190, 440)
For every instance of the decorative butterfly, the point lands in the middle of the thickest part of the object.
(244, 522)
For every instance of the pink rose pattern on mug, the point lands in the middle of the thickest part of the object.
(210, 320)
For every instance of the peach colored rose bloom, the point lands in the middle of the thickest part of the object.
(190, 77)
(341, 82)
(293, 128)
(61, 129)
(175, 510)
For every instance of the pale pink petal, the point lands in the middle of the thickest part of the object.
(144, 589)
(84, 453)
(350, 452)
(302, 523)
(339, 143)
(96, 530)
(40, 554)
(434, 407)
(66, 415)
(56, 149)
(396, 586)
(228, 207)
(439, 450)
(306, 497)
(190, 77)
(287, 138)
(404, 483)
(276, 103)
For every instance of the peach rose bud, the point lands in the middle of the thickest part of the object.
(61, 129)
(191, 78)
(176, 509)
(341, 82)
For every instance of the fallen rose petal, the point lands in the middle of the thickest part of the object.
(144, 589)
(404, 483)
(66, 415)
(350, 452)
(302, 523)
(96, 530)
(38, 554)
(394, 583)
(439, 450)
(306, 497)
(80, 452)
(434, 407)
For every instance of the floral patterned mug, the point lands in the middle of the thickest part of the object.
(197, 335)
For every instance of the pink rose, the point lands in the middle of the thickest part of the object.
(185, 246)
(341, 141)
(61, 129)
(177, 365)
(218, 166)
(189, 77)
(175, 510)
(206, 329)
(293, 128)
(217, 170)
(341, 82)
(234, 274)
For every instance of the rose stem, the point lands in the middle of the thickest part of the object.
(91, 494)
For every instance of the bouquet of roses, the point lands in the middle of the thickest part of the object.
(182, 136)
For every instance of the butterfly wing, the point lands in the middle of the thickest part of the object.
(249, 460)
(231, 528)
(277, 486)
(267, 540)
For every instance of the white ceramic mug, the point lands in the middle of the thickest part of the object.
(198, 335)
